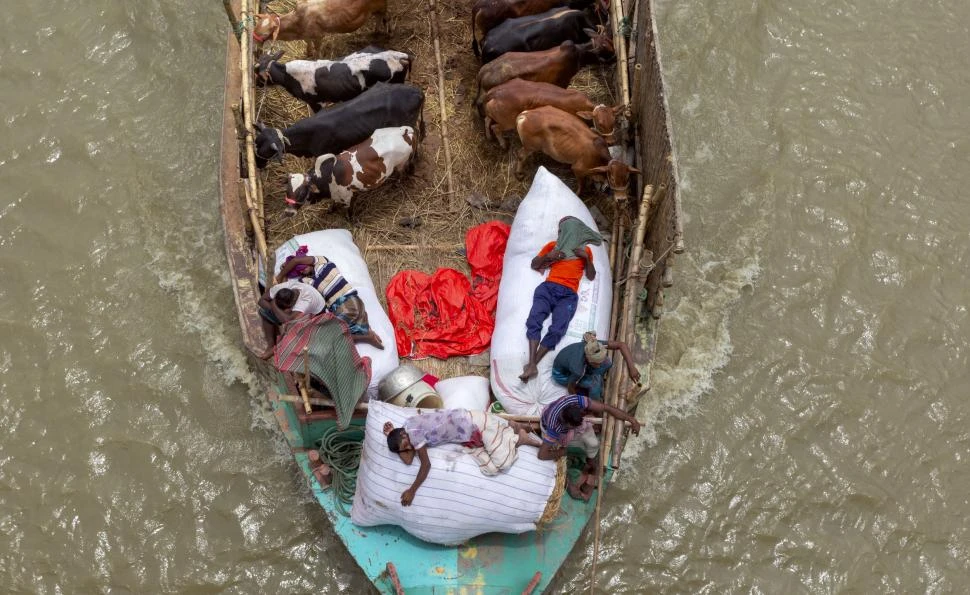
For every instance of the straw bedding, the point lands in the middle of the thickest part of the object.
(481, 169)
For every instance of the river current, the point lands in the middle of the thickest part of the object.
(807, 426)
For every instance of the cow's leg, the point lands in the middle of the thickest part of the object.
(488, 128)
(500, 136)
(523, 155)
(385, 22)
(580, 181)
(312, 49)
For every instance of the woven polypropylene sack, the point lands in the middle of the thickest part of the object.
(456, 502)
(339, 247)
(536, 223)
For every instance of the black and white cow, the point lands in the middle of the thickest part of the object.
(345, 124)
(364, 166)
(318, 82)
(536, 32)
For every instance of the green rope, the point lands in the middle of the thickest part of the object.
(625, 28)
(243, 24)
(340, 449)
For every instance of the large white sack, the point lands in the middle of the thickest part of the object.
(464, 392)
(456, 502)
(537, 223)
(338, 246)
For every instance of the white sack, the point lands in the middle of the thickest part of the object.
(338, 246)
(536, 223)
(456, 502)
(464, 392)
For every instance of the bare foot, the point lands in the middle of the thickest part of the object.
(529, 371)
(577, 493)
(370, 338)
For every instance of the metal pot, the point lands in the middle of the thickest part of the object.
(398, 381)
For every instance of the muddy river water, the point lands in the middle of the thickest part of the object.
(807, 428)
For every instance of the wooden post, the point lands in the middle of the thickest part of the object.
(227, 4)
(635, 92)
(532, 584)
(245, 65)
(630, 301)
(619, 45)
(441, 104)
(304, 390)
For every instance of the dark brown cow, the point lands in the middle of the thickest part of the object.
(556, 66)
(567, 139)
(488, 14)
(503, 103)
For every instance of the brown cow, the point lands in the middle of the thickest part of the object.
(567, 139)
(506, 101)
(557, 65)
(488, 14)
(312, 19)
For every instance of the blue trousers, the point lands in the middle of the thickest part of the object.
(550, 298)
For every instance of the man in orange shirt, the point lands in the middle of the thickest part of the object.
(557, 295)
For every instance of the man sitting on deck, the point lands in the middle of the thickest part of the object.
(340, 296)
(580, 367)
(562, 425)
(283, 302)
(557, 295)
(494, 440)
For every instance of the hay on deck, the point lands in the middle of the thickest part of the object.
(479, 167)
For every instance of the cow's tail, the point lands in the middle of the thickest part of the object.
(411, 59)
(478, 95)
(421, 127)
(474, 37)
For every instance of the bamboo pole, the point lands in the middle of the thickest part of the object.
(245, 65)
(304, 389)
(413, 247)
(635, 92)
(325, 402)
(441, 103)
(627, 328)
(227, 4)
(619, 45)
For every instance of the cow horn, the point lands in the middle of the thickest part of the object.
(276, 56)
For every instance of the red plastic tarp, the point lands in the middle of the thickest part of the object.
(445, 314)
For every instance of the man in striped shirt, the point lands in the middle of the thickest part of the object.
(562, 424)
(339, 295)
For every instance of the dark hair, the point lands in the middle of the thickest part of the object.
(394, 439)
(572, 416)
(285, 298)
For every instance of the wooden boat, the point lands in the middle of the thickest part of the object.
(649, 230)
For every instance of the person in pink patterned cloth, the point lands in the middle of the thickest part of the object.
(445, 426)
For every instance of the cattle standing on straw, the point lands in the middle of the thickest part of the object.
(360, 168)
(488, 14)
(319, 82)
(313, 19)
(505, 102)
(344, 125)
(557, 65)
(536, 32)
(567, 139)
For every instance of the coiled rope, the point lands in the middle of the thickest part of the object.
(340, 449)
